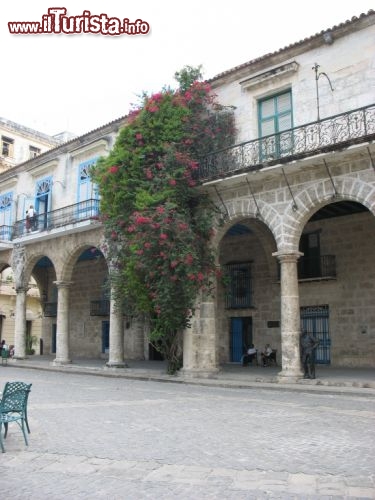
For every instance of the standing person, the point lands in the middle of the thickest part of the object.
(32, 217)
(308, 346)
(28, 223)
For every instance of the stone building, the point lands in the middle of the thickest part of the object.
(298, 194)
(19, 143)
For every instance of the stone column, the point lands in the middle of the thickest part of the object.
(62, 330)
(290, 317)
(20, 324)
(200, 357)
(116, 337)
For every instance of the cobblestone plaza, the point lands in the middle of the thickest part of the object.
(96, 437)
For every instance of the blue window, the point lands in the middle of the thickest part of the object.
(6, 201)
(43, 201)
(88, 194)
(275, 116)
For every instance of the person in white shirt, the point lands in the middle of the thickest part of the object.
(249, 356)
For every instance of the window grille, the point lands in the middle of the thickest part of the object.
(239, 286)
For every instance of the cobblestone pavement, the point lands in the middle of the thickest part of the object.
(109, 438)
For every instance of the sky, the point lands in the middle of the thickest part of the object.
(79, 82)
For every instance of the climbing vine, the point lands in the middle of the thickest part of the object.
(158, 224)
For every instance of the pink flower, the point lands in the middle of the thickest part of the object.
(172, 182)
(189, 259)
(163, 236)
(138, 136)
(200, 276)
(147, 244)
(113, 169)
(160, 210)
(149, 174)
(174, 264)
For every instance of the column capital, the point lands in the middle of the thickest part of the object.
(63, 284)
(22, 289)
(287, 256)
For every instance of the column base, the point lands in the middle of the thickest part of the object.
(116, 364)
(61, 362)
(190, 373)
(289, 376)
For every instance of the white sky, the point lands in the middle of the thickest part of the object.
(79, 82)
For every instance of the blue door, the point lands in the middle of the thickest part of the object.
(315, 319)
(53, 343)
(105, 336)
(236, 340)
(241, 337)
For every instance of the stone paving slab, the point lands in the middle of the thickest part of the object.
(119, 438)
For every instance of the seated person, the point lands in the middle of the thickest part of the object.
(251, 354)
(267, 355)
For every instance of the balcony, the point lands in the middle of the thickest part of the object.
(99, 307)
(315, 268)
(322, 136)
(6, 233)
(85, 210)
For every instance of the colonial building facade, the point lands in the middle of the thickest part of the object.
(297, 192)
(19, 143)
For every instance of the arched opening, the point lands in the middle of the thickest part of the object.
(41, 335)
(89, 304)
(248, 299)
(336, 283)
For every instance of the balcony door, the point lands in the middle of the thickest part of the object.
(43, 202)
(275, 116)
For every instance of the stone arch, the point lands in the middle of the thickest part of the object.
(315, 197)
(70, 259)
(32, 260)
(241, 210)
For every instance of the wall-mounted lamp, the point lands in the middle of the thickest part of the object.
(317, 76)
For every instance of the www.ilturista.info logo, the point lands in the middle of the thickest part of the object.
(57, 22)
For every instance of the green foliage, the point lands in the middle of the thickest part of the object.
(158, 226)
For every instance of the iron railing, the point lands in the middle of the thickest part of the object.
(99, 308)
(317, 267)
(6, 233)
(239, 286)
(299, 142)
(88, 209)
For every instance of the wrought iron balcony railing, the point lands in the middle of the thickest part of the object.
(299, 142)
(99, 308)
(6, 233)
(88, 209)
(317, 267)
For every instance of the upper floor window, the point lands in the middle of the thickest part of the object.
(86, 188)
(7, 146)
(275, 116)
(33, 152)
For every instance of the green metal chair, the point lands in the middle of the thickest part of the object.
(4, 356)
(13, 408)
